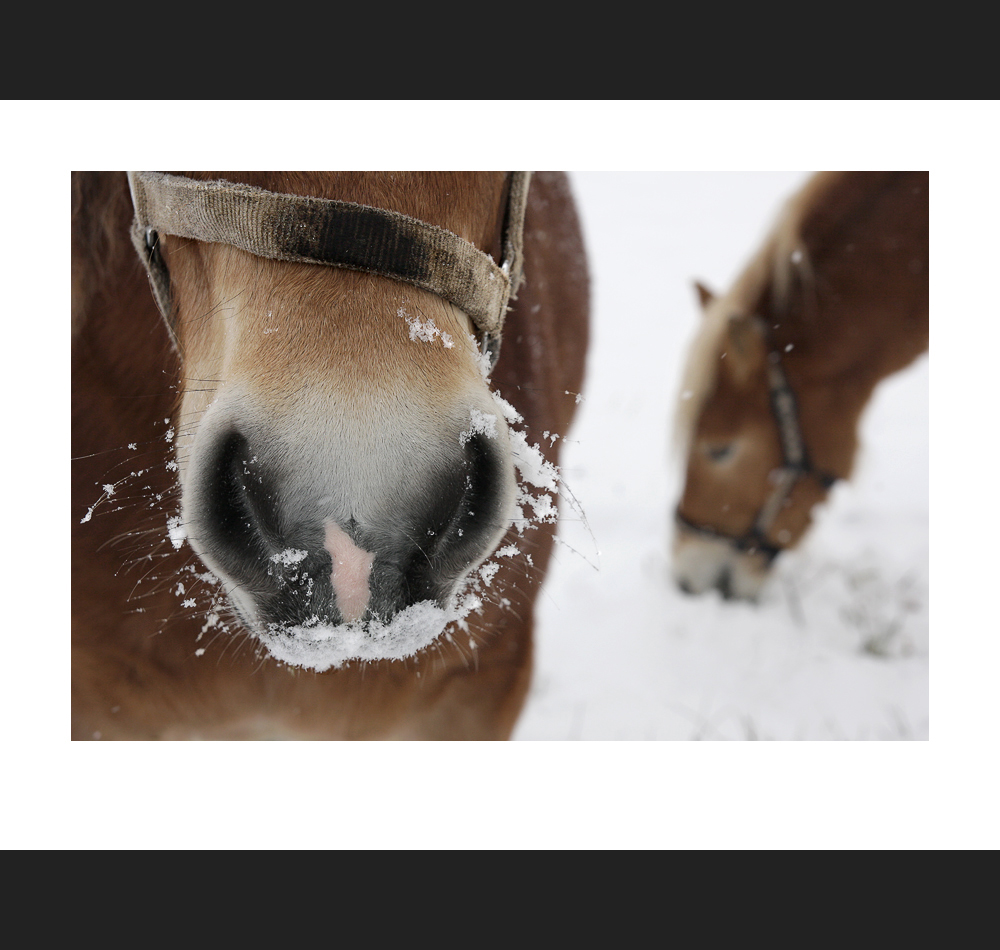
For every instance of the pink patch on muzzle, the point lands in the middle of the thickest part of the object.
(351, 569)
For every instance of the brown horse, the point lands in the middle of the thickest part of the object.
(307, 498)
(785, 363)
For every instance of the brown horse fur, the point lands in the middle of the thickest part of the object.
(149, 660)
(839, 292)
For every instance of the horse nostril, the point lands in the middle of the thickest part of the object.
(274, 564)
(460, 516)
(239, 506)
(725, 584)
(476, 508)
(236, 520)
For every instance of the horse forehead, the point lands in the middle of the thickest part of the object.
(727, 404)
(704, 367)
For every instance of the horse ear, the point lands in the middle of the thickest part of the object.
(705, 296)
(747, 348)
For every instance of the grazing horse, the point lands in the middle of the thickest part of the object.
(784, 364)
(308, 502)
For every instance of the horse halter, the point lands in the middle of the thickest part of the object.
(795, 465)
(333, 233)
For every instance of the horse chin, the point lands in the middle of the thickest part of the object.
(322, 642)
(322, 646)
(701, 565)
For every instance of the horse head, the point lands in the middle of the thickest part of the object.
(343, 463)
(783, 365)
(749, 488)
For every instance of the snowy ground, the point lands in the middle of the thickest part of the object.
(838, 649)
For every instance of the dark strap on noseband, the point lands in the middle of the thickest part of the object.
(751, 542)
(796, 465)
(336, 234)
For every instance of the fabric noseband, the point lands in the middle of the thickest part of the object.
(333, 233)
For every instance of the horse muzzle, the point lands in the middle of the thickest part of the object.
(702, 564)
(347, 544)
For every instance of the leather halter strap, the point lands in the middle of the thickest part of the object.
(336, 234)
(795, 465)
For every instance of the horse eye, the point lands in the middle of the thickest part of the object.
(718, 452)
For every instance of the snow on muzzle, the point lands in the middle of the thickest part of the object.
(353, 545)
(701, 564)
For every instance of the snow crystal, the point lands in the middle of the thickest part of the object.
(544, 508)
(212, 620)
(488, 571)
(483, 360)
(175, 529)
(289, 556)
(425, 331)
(482, 423)
(509, 412)
(532, 465)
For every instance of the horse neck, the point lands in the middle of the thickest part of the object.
(117, 330)
(123, 366)
(848, 287)
(855, 346)
(837, 338)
